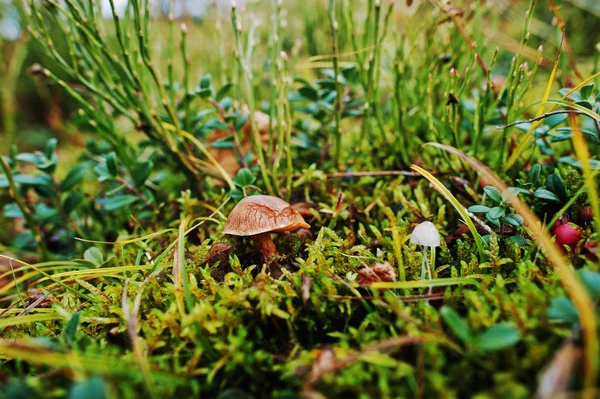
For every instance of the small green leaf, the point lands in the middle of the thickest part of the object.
(586, 91)
(244, 178)
(591, 280)
(50, 147)
(240, 122)
(223, 91)
(498, 337)
(205, 81)
(534, 174)
(92, 388)
(114, 203)
(94, 255)
(495, 222)
(497, 212)
(561, 308)
(225, 143)
(309, 92)
(513, 219)
(142, 172)
(479, 209)
(12, 211)
(459, 326)
(543, 194)
(556, 184)
(493, 193)
(111, 164)
(71, 329)
(518, 240)
(28, 157)
(215, 124)
(33, 180)
(71, 201)
(236, 194)
(73, 178)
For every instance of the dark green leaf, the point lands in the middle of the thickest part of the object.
(142, 172)
(556, 184)
(71, 329)
(18, 390)
(518, 240)
(112, 164)
(543, 194)
(586, 91)
(205, 81)
(585, 104)
(534, 174)
(498, 337)
(70, 203)
(309, 92)
(114, 203)
(459, 326)
(223, 91)
(73, 178)
(204, 93)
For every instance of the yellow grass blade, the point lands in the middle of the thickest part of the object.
(457, 205)
(525, 141)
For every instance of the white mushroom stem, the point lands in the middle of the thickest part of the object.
(265, 245)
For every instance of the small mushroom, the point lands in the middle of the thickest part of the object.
(427, 236)
(257, 216)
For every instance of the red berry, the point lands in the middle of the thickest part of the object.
(586, 214)
(563, 219)
(567, 234)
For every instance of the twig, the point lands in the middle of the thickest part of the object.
(543, 116)
(374, 173)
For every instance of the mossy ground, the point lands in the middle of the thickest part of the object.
(136, 308)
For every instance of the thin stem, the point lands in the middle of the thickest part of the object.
(247, 90)
(338, 83)
(23, 207)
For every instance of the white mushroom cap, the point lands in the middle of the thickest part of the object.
(425, 234)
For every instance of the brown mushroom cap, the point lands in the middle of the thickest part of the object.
(259, 214)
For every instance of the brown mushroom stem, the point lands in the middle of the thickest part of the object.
(265, 245)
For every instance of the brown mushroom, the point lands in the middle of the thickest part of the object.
(258, 216)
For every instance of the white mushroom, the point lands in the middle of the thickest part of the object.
(427, 236)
